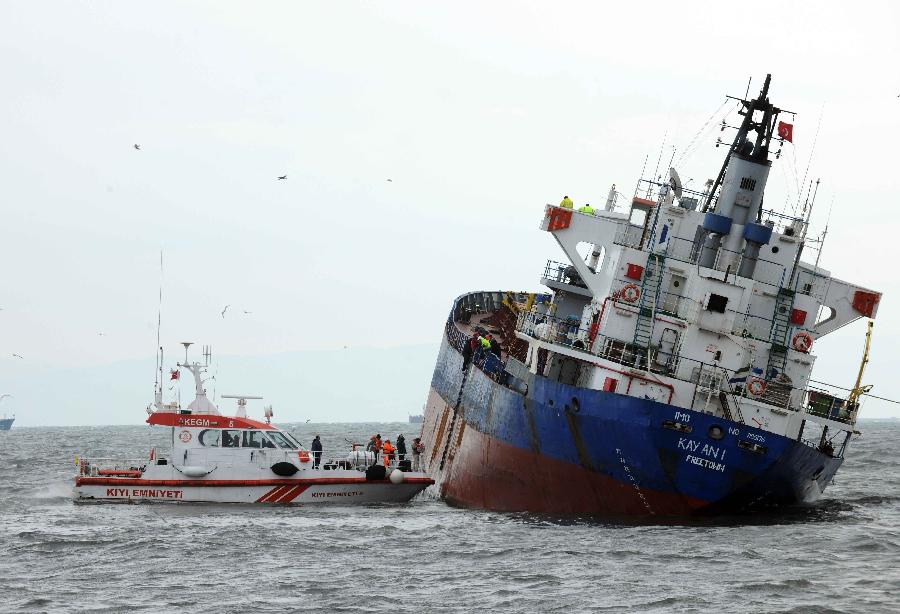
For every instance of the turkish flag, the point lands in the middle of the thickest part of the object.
(174, 374)
(786, 131)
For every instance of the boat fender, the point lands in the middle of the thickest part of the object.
(396, 476)
(802, 341)
(756, 386)
(194, 471)
(631, 293)
(303, 455)
(284, 469)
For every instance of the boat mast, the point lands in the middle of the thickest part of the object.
(763, 128)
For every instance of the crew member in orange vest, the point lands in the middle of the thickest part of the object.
(388, 450)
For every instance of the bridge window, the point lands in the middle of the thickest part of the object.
(253, 439)
(210, 438)
(281, 440)
(231, 439)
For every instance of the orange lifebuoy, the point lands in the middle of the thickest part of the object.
(303, 455)
(802, 341)
(756, 386)
(630, 293)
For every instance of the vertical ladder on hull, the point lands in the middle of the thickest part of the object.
(726, 409)
(643, 330)
(781, 324)
(456, 405)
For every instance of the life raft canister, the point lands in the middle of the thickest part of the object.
(802, 341)
(756, 386)
(630, 293)
(303, 455)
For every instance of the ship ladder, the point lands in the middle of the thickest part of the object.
(643, 330)
(462, 387)
(779, 333)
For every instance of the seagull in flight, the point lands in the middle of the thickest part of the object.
(224, 310)
(136, 146)
(390, 180)
(282, 177)
(17, 356)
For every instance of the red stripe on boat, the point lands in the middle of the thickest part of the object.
(292, 494)
(278, 490)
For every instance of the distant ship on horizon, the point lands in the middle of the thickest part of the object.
(416, 419)
(6, 422)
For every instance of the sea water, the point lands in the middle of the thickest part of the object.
(841, 554)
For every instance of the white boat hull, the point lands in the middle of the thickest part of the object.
(342, 490)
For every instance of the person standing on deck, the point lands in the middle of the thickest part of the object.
(495, 345)
(417, 448)
(566, 203)
(401, 447)
(586, 209)
(469, 350)
(485, 346)
(316, 448)
(388, 450)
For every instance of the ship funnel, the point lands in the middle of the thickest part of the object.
(743, 180)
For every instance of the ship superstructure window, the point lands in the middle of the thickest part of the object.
(717, 303)
(210, 438)
(290, 437)
(231, 439)
(253, 439)
(748, 183)
(281, 440)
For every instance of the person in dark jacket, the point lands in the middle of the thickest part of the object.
(495, 345)
(316, 448)
(469, 350)
(401, 447)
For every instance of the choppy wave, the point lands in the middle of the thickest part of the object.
(835, 555)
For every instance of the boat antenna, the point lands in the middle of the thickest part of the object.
(825, 232)
(159, 359)
(813, 150)
(658, 160)
(641, 176)
(807, 215)
(747, 92)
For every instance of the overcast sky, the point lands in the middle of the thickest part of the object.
(479, 113)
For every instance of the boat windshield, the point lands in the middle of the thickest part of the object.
(282, 441)
(292, 439)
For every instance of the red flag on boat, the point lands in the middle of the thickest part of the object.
(786, 131)
(174, 374)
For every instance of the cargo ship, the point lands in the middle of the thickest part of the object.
(668, 369)
(6, 422)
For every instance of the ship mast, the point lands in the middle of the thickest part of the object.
(764, 127)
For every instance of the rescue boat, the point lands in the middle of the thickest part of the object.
(216, 458)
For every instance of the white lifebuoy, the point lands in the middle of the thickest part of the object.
(756, 386)
(802, 341)
(630, 293)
